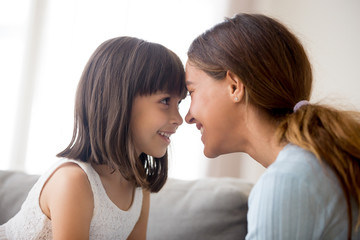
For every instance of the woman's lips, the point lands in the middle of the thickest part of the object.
(200, 127)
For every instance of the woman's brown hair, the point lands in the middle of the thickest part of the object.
(119, 70)
(276, 72)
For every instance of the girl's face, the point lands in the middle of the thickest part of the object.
(154, 119)
(211, 110)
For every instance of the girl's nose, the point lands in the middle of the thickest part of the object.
(177, 119)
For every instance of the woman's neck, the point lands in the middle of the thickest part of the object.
(265, 151)
(261, 142)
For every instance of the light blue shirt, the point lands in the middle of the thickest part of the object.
(298, 198)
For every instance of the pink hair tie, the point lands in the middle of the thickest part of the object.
(300, 104)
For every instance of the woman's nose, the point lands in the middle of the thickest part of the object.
(189, 118)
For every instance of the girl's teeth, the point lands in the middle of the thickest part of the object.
(165, 134)
(201, 130)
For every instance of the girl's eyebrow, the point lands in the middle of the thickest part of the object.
(188, 82)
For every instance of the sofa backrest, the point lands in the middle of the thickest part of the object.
(14, 187)
(210, 208)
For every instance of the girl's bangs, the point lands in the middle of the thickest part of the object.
(167, 74)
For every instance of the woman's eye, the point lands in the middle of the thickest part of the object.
(189, 93)
(165, 101)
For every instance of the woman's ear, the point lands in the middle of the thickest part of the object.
(236, 86)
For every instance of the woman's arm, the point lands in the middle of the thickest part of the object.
(67, 200)
(139, 231)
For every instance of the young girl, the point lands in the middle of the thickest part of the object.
(250, 81)
(125, 112)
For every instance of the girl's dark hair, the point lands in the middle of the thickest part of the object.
(276, 72)
(119, 70)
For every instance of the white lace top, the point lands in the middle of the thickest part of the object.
(108, 221)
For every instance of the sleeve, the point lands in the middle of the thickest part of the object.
(282, 206)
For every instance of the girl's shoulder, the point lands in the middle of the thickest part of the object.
(67, 184)
(68, 175)
(67, 200)
(69, 169)
(65, 174)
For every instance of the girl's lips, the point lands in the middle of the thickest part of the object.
(166, 135)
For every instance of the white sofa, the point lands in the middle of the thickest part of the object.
(211, 208)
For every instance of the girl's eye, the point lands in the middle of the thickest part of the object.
(165, 101)
(189, 93)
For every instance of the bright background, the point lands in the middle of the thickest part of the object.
(44, 45)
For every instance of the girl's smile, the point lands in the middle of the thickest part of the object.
(166, 136)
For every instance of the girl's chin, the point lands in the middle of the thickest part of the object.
(157, 155)
(210, 154)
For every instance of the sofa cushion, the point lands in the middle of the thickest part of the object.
(14, 188)
(211, 208)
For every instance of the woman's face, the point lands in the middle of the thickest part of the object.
(211, 110)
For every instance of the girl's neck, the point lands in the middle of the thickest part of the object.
(109, 174)
(119, 190)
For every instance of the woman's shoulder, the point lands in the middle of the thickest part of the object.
(297, 168)
(296, 162)
(298, 190)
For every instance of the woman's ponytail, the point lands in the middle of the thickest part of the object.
(333, 136)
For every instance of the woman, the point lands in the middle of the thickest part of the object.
(250, 82)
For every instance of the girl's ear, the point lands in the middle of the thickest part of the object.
(236, 86)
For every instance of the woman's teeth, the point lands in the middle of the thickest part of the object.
(201, 130)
